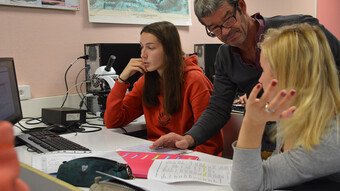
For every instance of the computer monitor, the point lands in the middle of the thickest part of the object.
(10, 108)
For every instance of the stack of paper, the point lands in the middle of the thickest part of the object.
(187, 170)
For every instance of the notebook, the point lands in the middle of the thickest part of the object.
(140, 162)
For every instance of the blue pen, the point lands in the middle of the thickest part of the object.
(125, 155)
(135, 156)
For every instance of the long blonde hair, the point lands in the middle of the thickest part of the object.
(301, 59)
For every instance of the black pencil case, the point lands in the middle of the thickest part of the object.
(81, 172)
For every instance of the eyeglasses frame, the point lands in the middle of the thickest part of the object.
(213, 35)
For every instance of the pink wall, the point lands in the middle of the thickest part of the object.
(44, 42)
(328, 14)
(281, 7)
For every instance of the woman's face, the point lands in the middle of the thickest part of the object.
(267, 74)
(152, 53)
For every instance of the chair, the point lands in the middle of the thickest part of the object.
(230, 133)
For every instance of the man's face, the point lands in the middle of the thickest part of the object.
(233, 36)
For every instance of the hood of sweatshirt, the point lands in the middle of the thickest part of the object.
(190, 63)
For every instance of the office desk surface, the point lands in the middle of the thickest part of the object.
(109, 140)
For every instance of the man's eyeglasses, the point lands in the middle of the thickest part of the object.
(227, 24)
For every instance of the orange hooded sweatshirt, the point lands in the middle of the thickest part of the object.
(121, 109)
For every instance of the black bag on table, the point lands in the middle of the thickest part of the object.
(81, 172)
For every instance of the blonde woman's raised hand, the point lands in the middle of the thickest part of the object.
(273, 105)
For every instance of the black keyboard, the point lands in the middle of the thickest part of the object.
(46, 141)
(237, 108)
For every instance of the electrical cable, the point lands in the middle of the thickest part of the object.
(93, 127)
(77, 80)
(65, 76)
(82, 94)
(93, 124)
(65, 96)
(83, 102)
(65, 79)
(122, 128)
(19, 128)
(30, 119)
(24, 129)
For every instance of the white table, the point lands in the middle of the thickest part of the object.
(110, 139)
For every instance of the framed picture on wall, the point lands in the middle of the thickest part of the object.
(139, 11)
(51, 4)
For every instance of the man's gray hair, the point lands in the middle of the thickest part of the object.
(204, 8)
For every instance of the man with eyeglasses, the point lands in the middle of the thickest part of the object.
(237, 63)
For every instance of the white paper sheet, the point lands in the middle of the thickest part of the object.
(171, 170)
(50, 162)
(150, 185)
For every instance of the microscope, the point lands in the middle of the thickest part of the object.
(104, 77)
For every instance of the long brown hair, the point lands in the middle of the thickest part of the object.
(170, 83)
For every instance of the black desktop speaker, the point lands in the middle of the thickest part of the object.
(99, 54)
(206, 55)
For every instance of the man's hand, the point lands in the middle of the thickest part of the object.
(174, 140)
(242, 100)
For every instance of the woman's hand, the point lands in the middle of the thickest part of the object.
(135, 65)
(273, 105)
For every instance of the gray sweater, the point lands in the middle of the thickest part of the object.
(289, 168)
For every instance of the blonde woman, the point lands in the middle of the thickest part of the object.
(301, 90)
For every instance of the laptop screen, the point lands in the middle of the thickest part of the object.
(10, 108)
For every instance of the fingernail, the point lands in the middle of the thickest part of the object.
(258, 86)
(274, 83)
(283, 94)
(292, 92)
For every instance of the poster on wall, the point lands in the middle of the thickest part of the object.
(139, 11)
(52, 4)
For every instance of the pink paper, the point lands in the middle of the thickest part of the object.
(140, 162)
